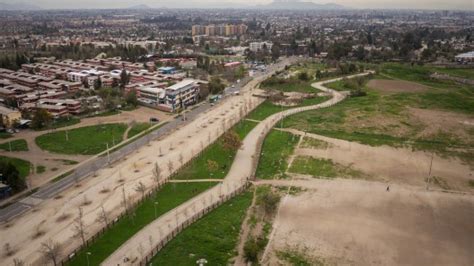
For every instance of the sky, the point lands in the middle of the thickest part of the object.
(404, 4)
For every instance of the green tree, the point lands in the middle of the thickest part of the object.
(131, 98)
(11, 176)
(41, 119)
(215, 85)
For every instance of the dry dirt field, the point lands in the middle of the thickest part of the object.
(348, 222)
(394, 165)
(395, 86)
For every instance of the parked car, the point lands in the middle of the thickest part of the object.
(154, 120)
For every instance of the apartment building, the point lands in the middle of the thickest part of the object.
(59, 85)
(219, 30)
(172, 98)
(257, 46)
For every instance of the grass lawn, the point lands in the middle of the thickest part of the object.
(16, 145)
(64, 122)
(322, 168)
(85, 140)
(288, 85)
(267, 108)
(106, 113)
(169, 197)
(380, 119)
(138, 128)
(213, 237)
(21, 165)
(276, 149)
(5, 135)
(198, 168)
(467, 73)
(314, 143)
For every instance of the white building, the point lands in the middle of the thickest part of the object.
(172, 98)
(257, 46)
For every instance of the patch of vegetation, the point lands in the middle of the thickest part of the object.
(66, 161)
(439, 181)
(309, 142)
(65, 122)
(213, 237)
(15, 145)
(85, 140)
(22, 166)
(5, 135)
(322, 168)
(216, 160)
(467, 73)
(277, 147)
(294, 257)
(471, 183)
(61, 176)
(137, 128)
(106, 113)
(267, 108)
(40, 169)
(168, 197)
(300, 84)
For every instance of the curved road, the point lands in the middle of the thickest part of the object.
(242, 169)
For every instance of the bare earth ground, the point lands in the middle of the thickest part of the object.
(396, 86)
(348, 222)
(392, 165)
(52, 161)
(437, 121)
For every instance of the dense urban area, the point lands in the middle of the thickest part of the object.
(289, 134)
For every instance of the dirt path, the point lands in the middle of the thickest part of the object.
(359, 223)
(242, 169)
(244, 232)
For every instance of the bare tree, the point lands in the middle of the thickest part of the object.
(124, 199)
(180, 159)
(18, 262)
(157, 173)
(160, 152)
(150, 241)
(7, 250)
(102, 216)
(51, 251)
(141, 188)
(170, 167)
(79, 226)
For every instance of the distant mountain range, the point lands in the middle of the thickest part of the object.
(139, 7)
(300, 5)
(275, 5)
(19, 6)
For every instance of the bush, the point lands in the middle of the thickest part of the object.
(303, 76)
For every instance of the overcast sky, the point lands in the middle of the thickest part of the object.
(417, 4)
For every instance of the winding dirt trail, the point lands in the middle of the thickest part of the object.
(242, 170)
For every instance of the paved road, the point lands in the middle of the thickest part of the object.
(86, 168)
(242, 170)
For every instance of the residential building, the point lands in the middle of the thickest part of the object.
(9, 116)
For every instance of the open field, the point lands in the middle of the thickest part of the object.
(353, 222)
(168, 197)
(323, 168)
(213, 237)
(400, 118)
(85, 140)
(14, 145)
(395, 86)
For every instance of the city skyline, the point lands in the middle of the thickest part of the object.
(358, 4)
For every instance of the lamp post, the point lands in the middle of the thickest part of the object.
(156, 204)
(87, 256)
